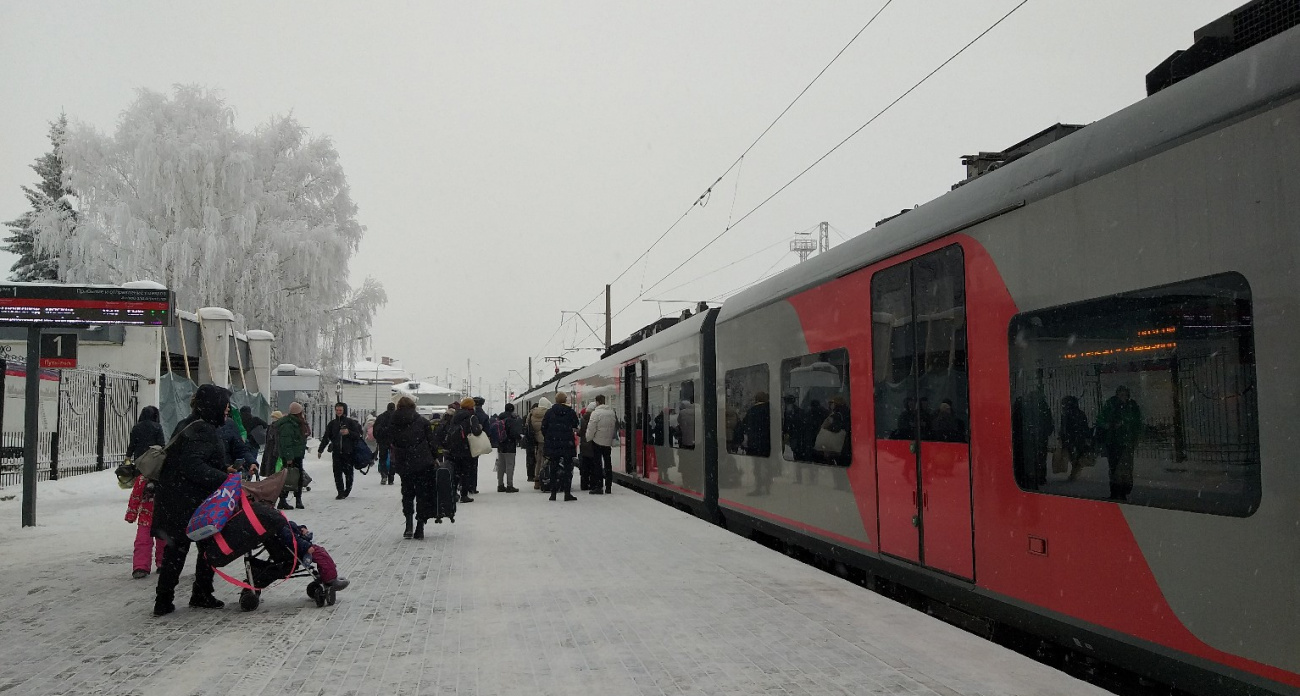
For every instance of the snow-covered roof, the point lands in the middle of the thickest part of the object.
(422, 387)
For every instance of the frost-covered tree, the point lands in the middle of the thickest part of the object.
(261, 222)
(33, 265)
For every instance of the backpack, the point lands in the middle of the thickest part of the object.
(499, 432)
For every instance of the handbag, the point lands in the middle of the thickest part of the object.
(258, 435)
(479, 445)
(150, 463)
(829, 442)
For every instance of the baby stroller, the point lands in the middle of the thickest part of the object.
(255, 533)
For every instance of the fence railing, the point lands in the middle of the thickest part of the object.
(96, 411)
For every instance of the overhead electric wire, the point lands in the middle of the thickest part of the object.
(828, 153)
(733, 263)
(738, 160)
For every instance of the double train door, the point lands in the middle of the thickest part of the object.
(922, 402)
(634, 409)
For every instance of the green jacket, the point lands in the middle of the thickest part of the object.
(290, 441)
(1120, 424)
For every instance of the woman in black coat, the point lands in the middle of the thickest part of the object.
(558, 428)
(195, 467)
(146, 433)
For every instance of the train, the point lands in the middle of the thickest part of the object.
(1054, 398)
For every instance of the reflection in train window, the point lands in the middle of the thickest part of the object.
(656, 415)
(682, 412)
(1146, 397)
(815, 408)
(748, 413)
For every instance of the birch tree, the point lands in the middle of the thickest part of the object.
(261, 222)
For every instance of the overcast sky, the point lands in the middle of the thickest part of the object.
(509, 159)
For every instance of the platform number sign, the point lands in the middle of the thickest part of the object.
(58, 351)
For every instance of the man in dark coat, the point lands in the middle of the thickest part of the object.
(195, 467)
(383, 434)
(513, 427)
(411, 446)
(558, 428)
(341, 437)
(238, 453)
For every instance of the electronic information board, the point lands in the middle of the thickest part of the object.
(101, 305)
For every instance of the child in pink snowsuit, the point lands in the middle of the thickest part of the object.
(139, 509)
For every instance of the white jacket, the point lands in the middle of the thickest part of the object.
(603, 426)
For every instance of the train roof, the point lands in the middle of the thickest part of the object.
(681, 330)
(1228, 91)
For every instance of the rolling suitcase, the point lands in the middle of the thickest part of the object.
(444, 493)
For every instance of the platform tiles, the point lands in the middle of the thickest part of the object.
(607, 595)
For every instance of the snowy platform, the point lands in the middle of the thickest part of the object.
(608, 595)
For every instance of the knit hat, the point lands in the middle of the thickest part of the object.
(295, 408)
(277, 415)
(467, 403)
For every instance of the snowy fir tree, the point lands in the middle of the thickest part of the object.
(261, 222)
(48, 196)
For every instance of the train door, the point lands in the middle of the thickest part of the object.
(631, 397)
(921, 392)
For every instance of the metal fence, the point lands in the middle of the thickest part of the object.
(96, 410)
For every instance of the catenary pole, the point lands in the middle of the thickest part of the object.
(608, 327)
(31, 422)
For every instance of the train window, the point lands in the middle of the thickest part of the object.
(748, 414)
(681, 401)
(1145, 397)
(656, 416)
(918, 328)
(815, 408)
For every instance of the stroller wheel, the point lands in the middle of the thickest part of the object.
(329, 596)
(248, 600)
(312, 587)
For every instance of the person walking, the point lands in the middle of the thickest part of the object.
(510, 430)
(412, 450)
(291, 433)
(383, 434)
(341, 437)
(534, 428)
(195, 467)
(146, 433)
(600, 433)
(558, 427)
(455, 441)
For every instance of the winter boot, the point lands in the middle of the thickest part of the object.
(205, 601)
(419, 530)
(407, 534)
(568, 497)
(284, 503)
(339, 583)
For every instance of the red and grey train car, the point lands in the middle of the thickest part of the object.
(899, 404)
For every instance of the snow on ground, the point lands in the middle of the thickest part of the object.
(608, 595)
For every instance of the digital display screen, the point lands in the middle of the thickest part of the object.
(84, 304)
